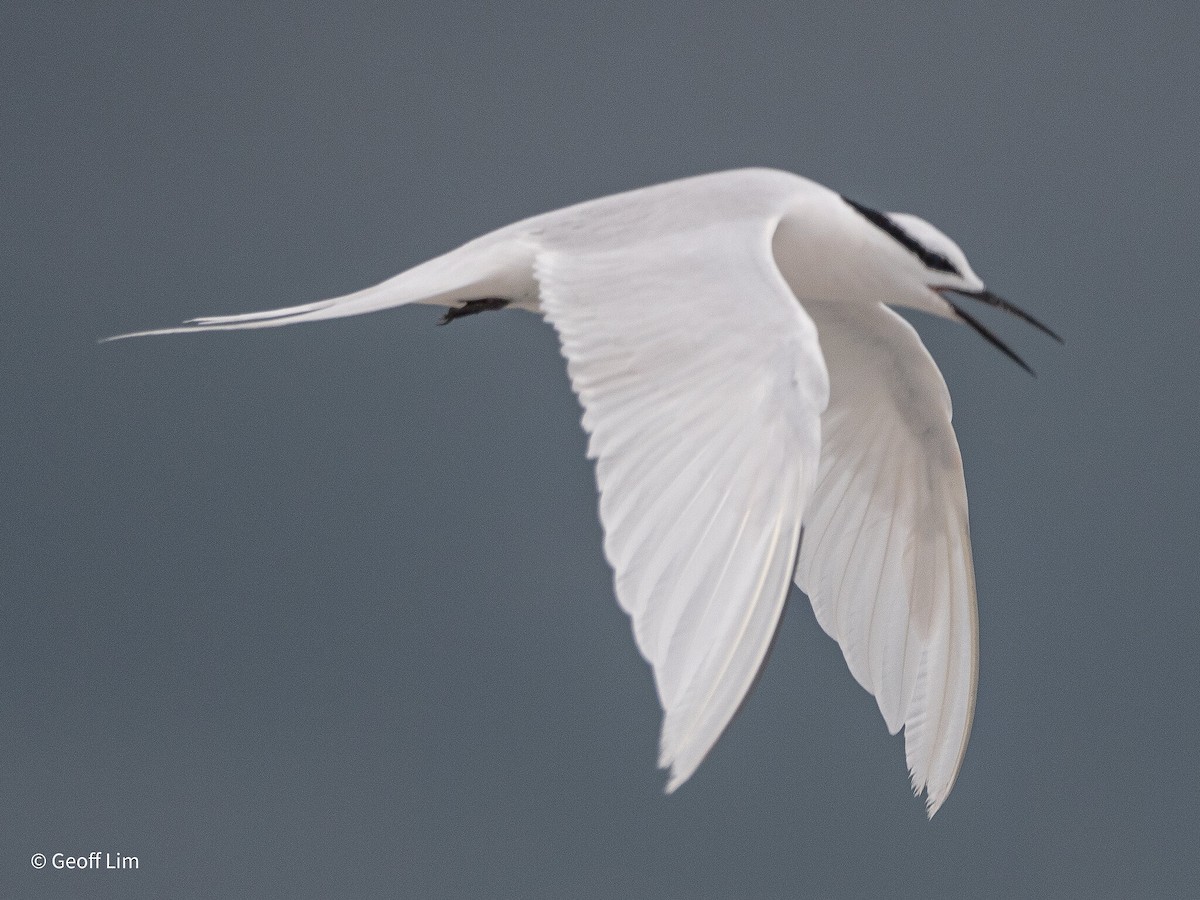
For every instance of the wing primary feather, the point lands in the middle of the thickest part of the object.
(885, 558)
(694, 336)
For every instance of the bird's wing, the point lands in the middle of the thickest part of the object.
(886, 557)
(702, 384)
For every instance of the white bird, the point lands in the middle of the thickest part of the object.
(758, 415)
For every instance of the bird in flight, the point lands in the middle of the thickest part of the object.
(758, 415)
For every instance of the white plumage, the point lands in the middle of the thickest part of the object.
(756, 414)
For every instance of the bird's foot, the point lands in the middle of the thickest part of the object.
(471, 307)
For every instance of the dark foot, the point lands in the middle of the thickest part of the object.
(471, 307)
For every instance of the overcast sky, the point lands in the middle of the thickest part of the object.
(323, 611)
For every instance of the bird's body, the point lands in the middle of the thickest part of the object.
(757, 415)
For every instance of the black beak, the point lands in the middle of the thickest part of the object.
(1000, 303)
(991, 299)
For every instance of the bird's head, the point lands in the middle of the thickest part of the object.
(928, 271)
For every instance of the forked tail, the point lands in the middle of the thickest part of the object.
(490, 267)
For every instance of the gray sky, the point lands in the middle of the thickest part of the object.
(324, 610)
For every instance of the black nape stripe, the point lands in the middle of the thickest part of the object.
(931, 259)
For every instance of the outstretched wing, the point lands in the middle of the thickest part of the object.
(702, 384)
(886, 555)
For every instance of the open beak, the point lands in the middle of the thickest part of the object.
(986, 296)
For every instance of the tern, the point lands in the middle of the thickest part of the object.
(758, 415)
